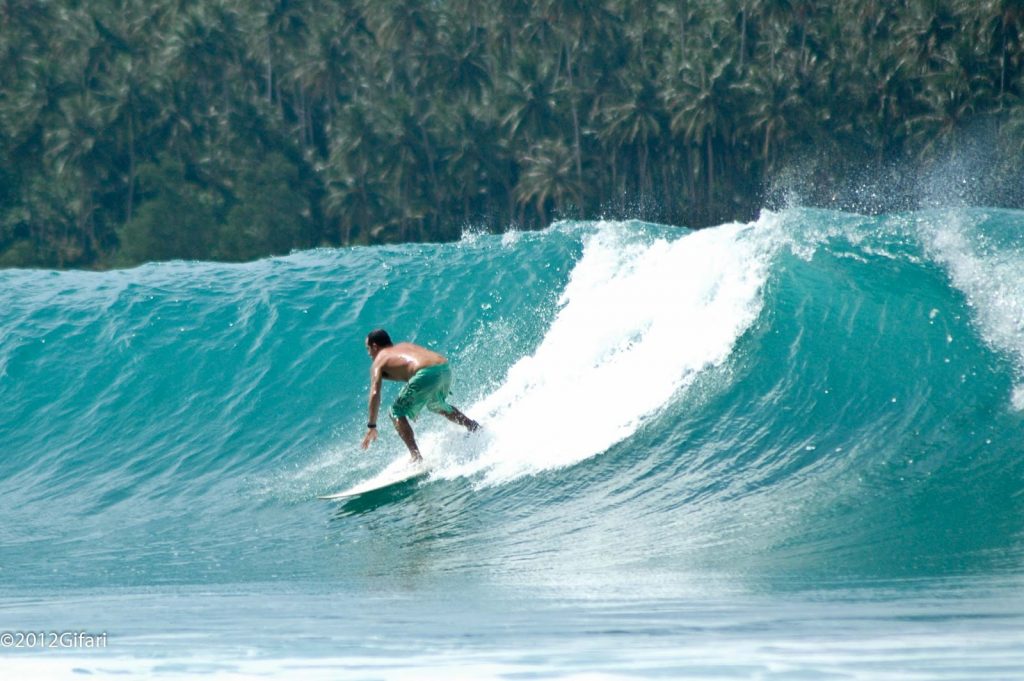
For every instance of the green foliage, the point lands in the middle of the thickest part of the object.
(177, 220)
(270, 212)
(145, 131)
(19, 253)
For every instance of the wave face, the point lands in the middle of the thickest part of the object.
(812, 396)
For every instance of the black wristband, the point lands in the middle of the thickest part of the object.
(371, 425)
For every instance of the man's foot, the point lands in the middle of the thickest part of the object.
(456, 416)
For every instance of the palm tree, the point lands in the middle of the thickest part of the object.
(928, 32)
(636, 122)
(776, 111)
(531, 112)
(1006, 27)
(547, 180)
(476, 162)
(889, 93)
(948, 100)
(700, 104)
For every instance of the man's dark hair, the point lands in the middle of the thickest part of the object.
(379, 337)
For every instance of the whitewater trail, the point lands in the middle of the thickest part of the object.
(639, 319)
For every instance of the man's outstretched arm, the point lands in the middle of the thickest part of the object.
(376, 378)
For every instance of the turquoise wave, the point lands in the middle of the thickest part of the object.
(812, 396)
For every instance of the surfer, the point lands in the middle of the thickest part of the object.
(427, 378)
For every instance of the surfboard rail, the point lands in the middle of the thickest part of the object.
(400, 471)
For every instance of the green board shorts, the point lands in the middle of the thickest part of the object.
(429, 387)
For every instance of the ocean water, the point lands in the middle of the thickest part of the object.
(789, 449)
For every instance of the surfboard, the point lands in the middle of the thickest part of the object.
(399, 472)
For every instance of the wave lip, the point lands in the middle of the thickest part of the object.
(639, 318)
(982, 253)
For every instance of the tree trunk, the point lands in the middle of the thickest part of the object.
(711, 173)
(642, 160)
(1002, 70)
(682, 26)
(743, 35)
(270, 72)
(131, 165)
(575, 118)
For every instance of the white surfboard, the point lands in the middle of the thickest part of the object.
(402, 470)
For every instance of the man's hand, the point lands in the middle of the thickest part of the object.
(371, 435)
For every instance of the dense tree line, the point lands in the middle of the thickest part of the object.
(134, 131)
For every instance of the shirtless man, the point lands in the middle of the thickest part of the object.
(427, 378)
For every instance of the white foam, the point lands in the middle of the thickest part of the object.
(638, 321)
(992, 280)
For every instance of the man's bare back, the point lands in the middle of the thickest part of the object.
(401, 361)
